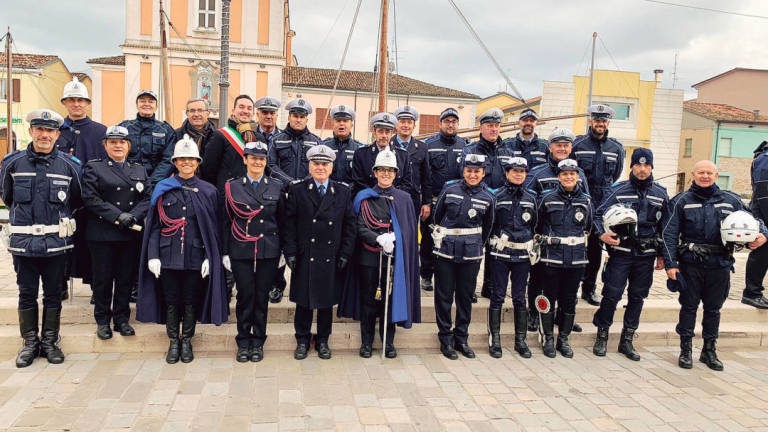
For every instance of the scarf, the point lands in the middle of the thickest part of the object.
(641, 184)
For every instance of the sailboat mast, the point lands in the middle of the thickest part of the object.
(591, 75)
(383, 57)
(166, 82)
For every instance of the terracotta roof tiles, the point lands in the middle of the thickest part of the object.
(112, 60)
(722, 112)
(28, 61)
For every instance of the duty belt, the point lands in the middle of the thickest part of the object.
(702, 252)
(565, 241)
(456, 231)
(500, 243)
(38, 229)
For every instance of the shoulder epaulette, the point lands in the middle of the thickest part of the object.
(69, 156)
(345, 184)
(451, 181)
(297, 181)
(11, 154)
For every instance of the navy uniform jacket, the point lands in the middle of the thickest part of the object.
(543, 178)
(362, 169)
(152, 144)
(40, 189)
(516, 217)
(692, 217)
(221, 162)
(345, 151)
(418, 159)
(534, 151)
(268, 136)
(497, 153)
(648, 202)
(269, 196)
(444, 161)
(760, 184)
(464, 206)
(565, 214)
(111, 188)
(602, 161)
(82, 139)
(288, 153)
(318, 231)
(172, 252)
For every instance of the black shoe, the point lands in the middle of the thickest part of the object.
(474, 297)
(172, 356)
(64, 294)
(465, 350)
(758, 302)
(449, 352)
(494, 333)
(366, 351)
(301, 351)
(709, 355)
(685, 361)
(275, 294)
(601, 342)
(186, 350)
(92, 300)
(390, 351)
(134, 293)
(590, 296)
(48, 343)
(426, 283)
(257, 354)
(625, 344)
(533, 320)
(323, 350)
(576, 328)
(103, 331)
(521, 324)
(564, 331)
(125, 329)
(28, 328)
(243, 354)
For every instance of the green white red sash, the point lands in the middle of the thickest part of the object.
(234, 139)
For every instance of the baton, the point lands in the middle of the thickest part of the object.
(386, 304)
(135, 227)
(542, 306)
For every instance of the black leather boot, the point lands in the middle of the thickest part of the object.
(548, 328)
(187, 331)
(521, 327)
(601, 342)
(566, 325)
(172, 330)
(28, 328)
(50, 339)
(685, 361)
(494, 337)
(533, 320)
(709, 356)
(625, 344)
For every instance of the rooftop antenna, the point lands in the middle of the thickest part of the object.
(674, 73)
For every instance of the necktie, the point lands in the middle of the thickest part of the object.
(321, 189)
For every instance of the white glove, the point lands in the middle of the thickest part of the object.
(154, 267)
(226, 262)
(387, 242)
(204, 269)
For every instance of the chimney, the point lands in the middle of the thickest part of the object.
(756, 113)
(657, 76)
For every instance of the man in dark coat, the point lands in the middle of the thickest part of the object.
(197, 124)
(318, 244)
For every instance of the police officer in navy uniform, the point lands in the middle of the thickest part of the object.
(251, 246)
(266, 115)
(463, 219)
(41, 187)
(757, 262)
(511, 242)
(632, 251)
(444, 151)
(318, 244)
(418, 159)
(694, 252)
(287, 155)
(565, 219)
(152, 140)
(116, 195)
(343, 143)
(496, 151)
(383, 125)
(602, 159)
(527, 143)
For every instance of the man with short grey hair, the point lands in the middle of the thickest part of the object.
(197, 125)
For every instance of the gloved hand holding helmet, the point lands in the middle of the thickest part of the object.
(620, 220)
(739, 228)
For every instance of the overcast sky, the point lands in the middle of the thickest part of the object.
(533, 41)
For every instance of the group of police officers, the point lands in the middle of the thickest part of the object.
(206, 209)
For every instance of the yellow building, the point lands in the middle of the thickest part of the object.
(258, 45)
(37, 82)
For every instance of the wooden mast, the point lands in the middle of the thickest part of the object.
(383, 58)
(166, 82)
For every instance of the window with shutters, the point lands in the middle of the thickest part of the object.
(321, 113)
(15, 94)
(429, 123)
(724, 147)
(206, 14)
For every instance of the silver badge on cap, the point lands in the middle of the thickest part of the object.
(642, 160)
(61, 195)
(472, 213)
(140, 186)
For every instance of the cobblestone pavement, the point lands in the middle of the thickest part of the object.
(419, 391)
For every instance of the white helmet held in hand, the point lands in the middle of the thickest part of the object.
(739, 227)
(620, 219)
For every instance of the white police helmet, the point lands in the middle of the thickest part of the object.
(75, 89)
(385, 158)
(739, 227)
(621, 220)
(186, 148)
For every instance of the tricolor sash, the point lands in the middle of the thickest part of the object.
(234, 139)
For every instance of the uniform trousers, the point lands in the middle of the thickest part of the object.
(115, 270)
(426, 256)
(302, 324)
(757, 266)
(503, 273)
(29, 272)
(595, 257)
(180, 287)
(619, 270)
(371, 309)
(252, 299)
(454, 280)
(560, 286)
(705, 285)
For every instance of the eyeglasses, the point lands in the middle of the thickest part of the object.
(451, 122)
(386, 170)
(196, 111)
